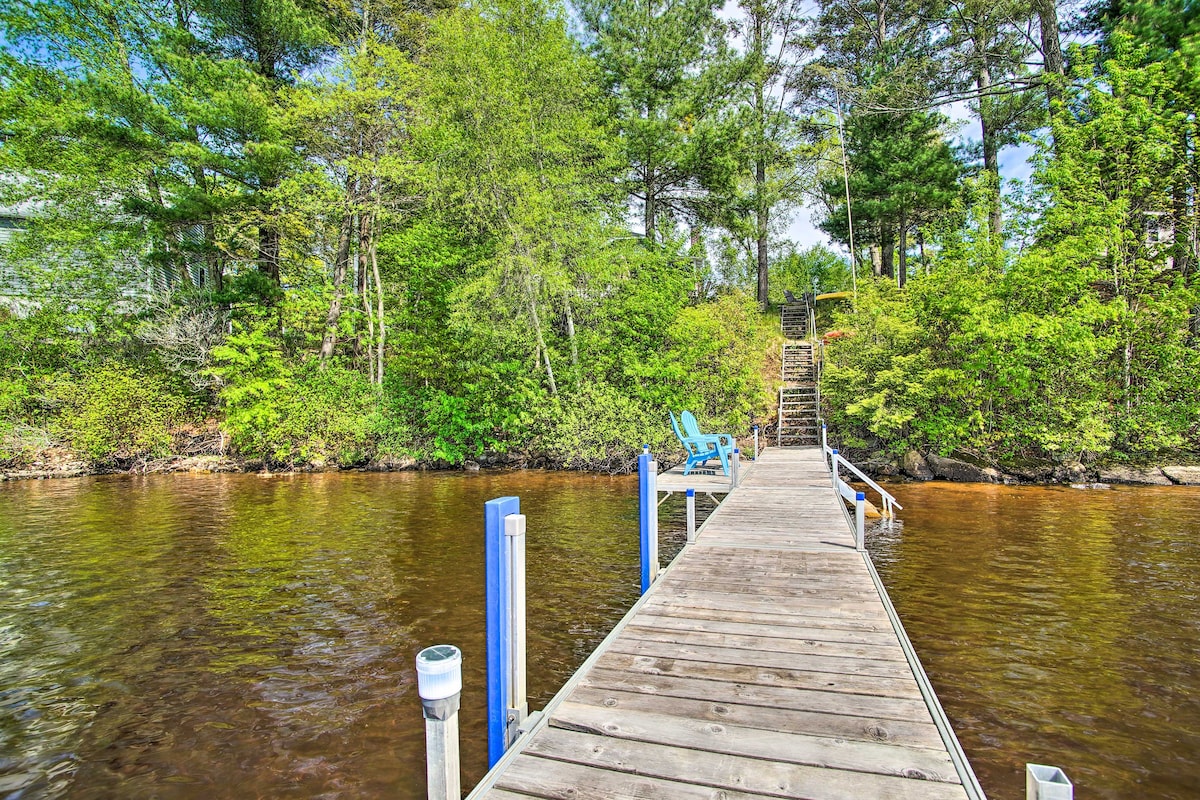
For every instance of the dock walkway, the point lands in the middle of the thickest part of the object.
(766, 661)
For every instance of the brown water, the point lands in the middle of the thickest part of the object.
(1058, 626)
(237, 636)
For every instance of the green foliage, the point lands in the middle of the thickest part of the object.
(602, 428)
(712, 364)
(291, 414)
(422, 247)
(667, 70)
(116, 413)
(902, 173)
(813, 268)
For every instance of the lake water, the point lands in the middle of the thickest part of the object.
(222, 636)
(1058, 626)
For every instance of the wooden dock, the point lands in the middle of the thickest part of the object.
(765, 661)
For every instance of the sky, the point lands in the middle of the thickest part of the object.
(1015, 164)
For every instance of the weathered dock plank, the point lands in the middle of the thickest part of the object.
(764, 662)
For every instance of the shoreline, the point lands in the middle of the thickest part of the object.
(913, 467)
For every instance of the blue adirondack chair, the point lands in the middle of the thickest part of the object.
(699, 450)
(723, 442)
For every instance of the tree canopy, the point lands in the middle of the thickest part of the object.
(402, 232)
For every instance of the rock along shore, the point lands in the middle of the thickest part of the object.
(971, 468)
(64, 464)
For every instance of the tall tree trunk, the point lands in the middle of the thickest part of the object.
(649, 211)
(760, 180)
(379, 309)
(369, 350)
(1053, 65)
(760, 160)
(571, 338)
(268, 250)
(537, 330)
(887, 252)
(876, 259)
(991, 151)
(364, 242)
(921, 246)
(361, 240)
(340, 264)
(362, 288)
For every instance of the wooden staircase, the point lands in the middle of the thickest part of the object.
(799, 397)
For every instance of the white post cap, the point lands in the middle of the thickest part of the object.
(439, 672)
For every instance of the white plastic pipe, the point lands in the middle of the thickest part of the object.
(514, 535)
(691, 516)
(860, 521)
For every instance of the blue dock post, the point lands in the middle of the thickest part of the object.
(499, 644)
(648, 516)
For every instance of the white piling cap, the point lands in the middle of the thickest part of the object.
(439, 672)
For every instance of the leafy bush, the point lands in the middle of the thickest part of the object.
(287, 414)
(712, 365)
(602, 428)
(115, 412)
(20, 444)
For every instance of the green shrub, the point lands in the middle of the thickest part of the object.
(20, 444)
(602, 428)
(712, 365)
(287, 414)
(114, 412)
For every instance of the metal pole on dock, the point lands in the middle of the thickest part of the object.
(833, 467)
(756, 442)
(860, 521)
(735, 467)
(824, 440)
(648, 516)
(691, 516)
(498, 552)
(1047, 783)
(439, 684)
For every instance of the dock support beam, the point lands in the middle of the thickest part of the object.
(691, 516)
(502, 725)
(439, 684)
(1047, 783)
(648, 516)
